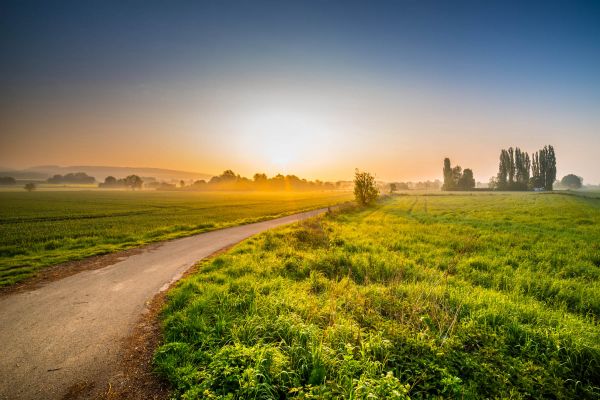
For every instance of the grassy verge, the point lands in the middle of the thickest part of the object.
(458, 296)
(49, 227)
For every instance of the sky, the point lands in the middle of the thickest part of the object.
(313, 88)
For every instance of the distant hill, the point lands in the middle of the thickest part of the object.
(43, 172)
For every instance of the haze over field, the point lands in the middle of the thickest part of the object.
(313, 89)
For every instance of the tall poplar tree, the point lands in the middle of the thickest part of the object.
(503, 170)
(448, 175)
(511, 168)
(550, 175)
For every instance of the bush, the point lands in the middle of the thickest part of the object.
(365, 188)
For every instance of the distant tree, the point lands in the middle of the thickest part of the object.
(536, 175)
(365, 188)
(503, 168)
(134, 182)
(110, 181)
(550, 167)
(448, 175)
(518, 171)
(181, 183)
(228, 175)
(511, 167)
(30, 187)
(260, 177)
(7, 180)
(454, 178)
(466, 181)
(77, 177)
(393, 187)
(547, 168)
(572, 181)
(522, 167)
(229, 180)
(456, 175)
(55, 179)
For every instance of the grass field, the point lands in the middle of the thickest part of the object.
(441, 296)
(48, 227)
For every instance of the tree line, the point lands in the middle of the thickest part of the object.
(229, 180)
(518, 171)
(77, 177)
(132, 182)
(7, 180)
(457, 179)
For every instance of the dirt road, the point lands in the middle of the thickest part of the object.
(69, 332)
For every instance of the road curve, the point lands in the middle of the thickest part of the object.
(70, 331)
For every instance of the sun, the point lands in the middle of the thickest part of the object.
(282, 139)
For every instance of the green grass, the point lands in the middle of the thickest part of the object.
(48, 227)
(442, 296)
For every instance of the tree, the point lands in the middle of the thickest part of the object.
(181, 183)
(457, 179)
(550, 167)
(456, 175)
(503, 167)
(30, 186)
(7, 180)
(466, 181)
(572, 181)
(546, 160)
(448, 175)
(536, 175)
(77, 177)
(228, 176)
(365, 188)
(393, 187)
(511, 167)
(110, 181)
(522, 167)
(134, 182)
(260, 177)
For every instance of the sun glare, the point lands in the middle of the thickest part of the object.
(280, 138)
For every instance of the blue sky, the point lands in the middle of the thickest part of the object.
(375, 82)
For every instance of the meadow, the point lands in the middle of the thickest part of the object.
(434, 296)
(47, 227)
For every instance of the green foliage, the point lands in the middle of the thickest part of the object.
(571, 181)
(442, 296)
(517, 171)
(457, 179)
(229, 180)
(365, 188)
(49, 227)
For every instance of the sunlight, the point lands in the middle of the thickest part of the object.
(281, 138)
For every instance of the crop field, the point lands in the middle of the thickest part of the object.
(48, 227)
(440, 296)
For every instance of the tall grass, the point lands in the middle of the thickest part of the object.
(456, 296)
